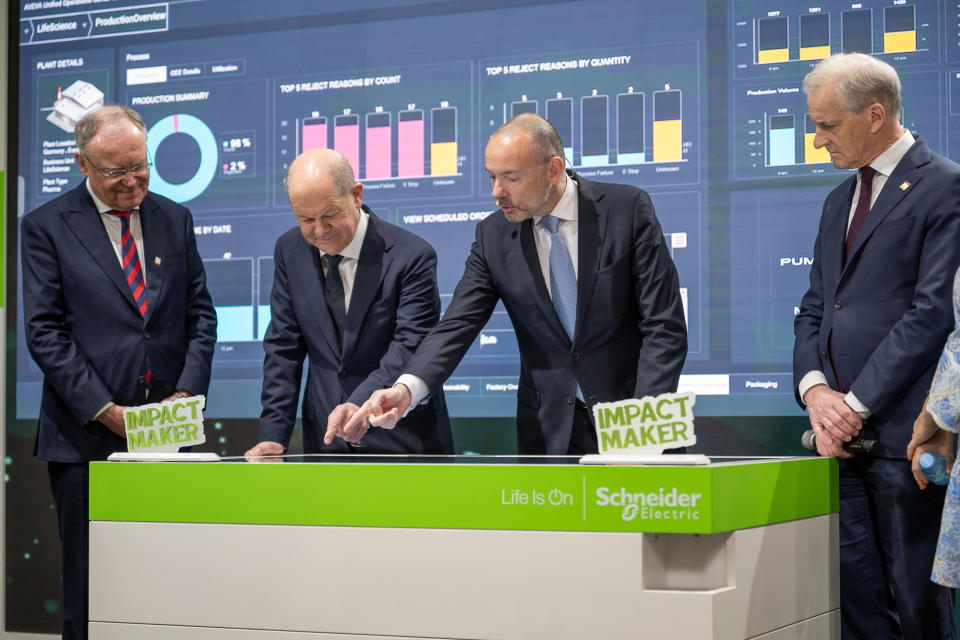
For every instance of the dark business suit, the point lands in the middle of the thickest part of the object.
(394, 302)
(90, 341)
(889, 311)
(630, 338)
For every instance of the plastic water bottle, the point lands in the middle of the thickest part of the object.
(934, 466)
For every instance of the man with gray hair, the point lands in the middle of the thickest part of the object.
(585, 274)
(868, 335)
(356, 294)
(116, 313)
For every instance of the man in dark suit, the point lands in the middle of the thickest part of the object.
(116, 313)
(586, 276)
(868, 336)
(355, 294)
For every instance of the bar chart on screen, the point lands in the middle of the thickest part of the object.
(794, 36)
(404, 131)
(773, 135)
(625, 114)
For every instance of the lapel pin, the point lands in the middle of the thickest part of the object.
(904, 185)
(156, 260)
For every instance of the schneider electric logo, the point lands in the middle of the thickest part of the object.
(662, 504)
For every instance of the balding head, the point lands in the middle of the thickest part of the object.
(544, 140)
(325, 198)
(321, 165)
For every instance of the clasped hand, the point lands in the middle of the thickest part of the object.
(833, 421)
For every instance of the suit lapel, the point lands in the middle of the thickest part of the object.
(592, 224)
(373, 263)
(85, 223)
(155, 234)
(889, 198)
(528, 248)
(835, 235)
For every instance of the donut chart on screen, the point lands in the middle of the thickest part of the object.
(201, 134)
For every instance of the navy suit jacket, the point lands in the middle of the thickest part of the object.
(84, 331)
(630, 338)
(889, 306)
(394, 302)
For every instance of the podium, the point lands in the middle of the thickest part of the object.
(464, 547)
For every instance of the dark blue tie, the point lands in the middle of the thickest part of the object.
(333, 291)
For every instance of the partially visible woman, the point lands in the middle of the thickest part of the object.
(935, 431)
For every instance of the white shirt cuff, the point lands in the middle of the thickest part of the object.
(856, 405)
(418, 390)
(810, 379)
(102, 409)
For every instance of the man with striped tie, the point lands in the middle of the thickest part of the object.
(116, 312)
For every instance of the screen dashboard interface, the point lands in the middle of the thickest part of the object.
(698, 103)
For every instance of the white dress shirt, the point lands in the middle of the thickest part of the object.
(884, 164)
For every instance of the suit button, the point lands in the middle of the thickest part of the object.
(823, 354)
(342, 373)
(146, 334)
(838, 306)
(570, 399)
(576, 355)
(141, 380)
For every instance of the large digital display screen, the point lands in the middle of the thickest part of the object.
(699, 103)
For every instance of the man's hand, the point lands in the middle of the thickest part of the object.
(928, 437)
(178, 394)
(265, 448)
(335, 421)
(383, 409)
(832, 420)
(112, 418)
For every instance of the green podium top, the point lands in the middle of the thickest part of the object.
(469, 492)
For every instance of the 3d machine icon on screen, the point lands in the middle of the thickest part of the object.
(79, 99)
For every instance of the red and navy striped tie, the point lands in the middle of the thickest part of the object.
(132, 271)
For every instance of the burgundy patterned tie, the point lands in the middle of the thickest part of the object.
(132, 271)
(863, 208)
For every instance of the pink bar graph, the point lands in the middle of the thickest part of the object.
(410, 144)
(378, 146)
(346, 139)
(314, 134)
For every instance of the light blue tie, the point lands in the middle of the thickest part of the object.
(563, 280)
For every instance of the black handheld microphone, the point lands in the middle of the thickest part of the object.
(857, 445)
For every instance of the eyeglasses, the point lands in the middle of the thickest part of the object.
(140, 170)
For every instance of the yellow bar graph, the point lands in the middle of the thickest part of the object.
(899, 41)
(767, 56)
(443, 158)
(667, 140)
(814, 53)
(812, 155)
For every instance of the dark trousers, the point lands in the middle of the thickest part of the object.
(69, 482)
(583, 436)
(888, 536)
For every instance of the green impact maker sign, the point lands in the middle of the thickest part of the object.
(645, 426)
(165, 427)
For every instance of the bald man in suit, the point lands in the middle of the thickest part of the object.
(356, 294)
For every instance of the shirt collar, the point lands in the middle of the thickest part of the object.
(887, 161)
(566, 208)
(352, 250)
(101, 206)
